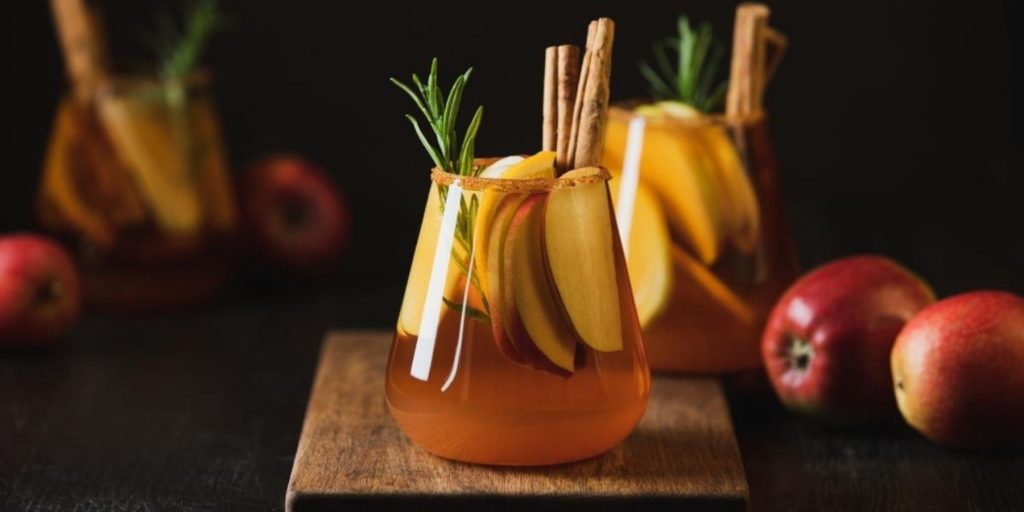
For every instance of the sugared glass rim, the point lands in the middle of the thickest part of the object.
(586, 176)
(625, 110)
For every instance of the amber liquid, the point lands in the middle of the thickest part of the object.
(141, 195)
(478, 406)
(696, 333)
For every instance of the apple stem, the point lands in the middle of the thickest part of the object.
(800, 354)
(49, 293)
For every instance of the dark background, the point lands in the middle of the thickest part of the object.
(897, 129)
(895, 122)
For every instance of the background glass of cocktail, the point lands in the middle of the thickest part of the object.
(709, 248)
(518, 342)
(136, 183)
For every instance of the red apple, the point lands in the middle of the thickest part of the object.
(294, 215)
(959, 370)
(827, 342)
(39, 290)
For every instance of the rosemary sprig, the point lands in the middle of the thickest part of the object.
(692, 79)
(441, 114)
(179, 44)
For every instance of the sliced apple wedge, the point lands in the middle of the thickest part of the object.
(578, 246)
(533, 317)
(650, 259)
(745, 231)
(541, 165)
(737, 192)
(58, 185)
(148, 149)
(503, 215)
(691, 270)
(422, 265)
(681, 174)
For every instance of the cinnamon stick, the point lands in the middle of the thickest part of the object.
(568, 77)
(746, 77)
(82, 43)
(594, 112)
(550, 111)
(577, 110)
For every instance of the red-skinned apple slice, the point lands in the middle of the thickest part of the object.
(503, 214)
(533, 316)
(578, 246)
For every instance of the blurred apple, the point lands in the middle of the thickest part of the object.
(39, 290)
(827, 342)
(294, 215)
(958, 368)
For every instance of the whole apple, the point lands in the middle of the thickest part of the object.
(294, 215)
(827, 342)
(39, 290)
(958, 368)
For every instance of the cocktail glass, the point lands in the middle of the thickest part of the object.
(518, 341)
(709, 247)
(136, 183)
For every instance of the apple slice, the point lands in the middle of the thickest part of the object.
(650, 257)
(681, 174)
(533, 316)
(579, 248)
(504, 213)
(422, 265)
(746, 228)
(59, 184)
(541, 165)
(692, 270)
(160, 167)
(731, 175)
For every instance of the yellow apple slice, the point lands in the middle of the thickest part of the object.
(496, 292)
(59, 184)
(541, 165)
(746, 228)
(533, 317)
(738, 192)
(649, 260)
(579, 248)
(422, 265)
(693, 271)
(679, 172)
(142, 139)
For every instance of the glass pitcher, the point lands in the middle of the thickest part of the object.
(709, 247)
(137, 185)
(518, 341)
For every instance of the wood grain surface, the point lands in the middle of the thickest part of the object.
(352, 456)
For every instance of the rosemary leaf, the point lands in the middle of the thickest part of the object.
(471, 312)
(447, 152)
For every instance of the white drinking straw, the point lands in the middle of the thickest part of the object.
(424, 354)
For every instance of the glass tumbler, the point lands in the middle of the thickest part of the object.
(709, 247)
(136, 184)
(518, 341)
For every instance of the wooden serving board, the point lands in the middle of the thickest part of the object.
(351, 455)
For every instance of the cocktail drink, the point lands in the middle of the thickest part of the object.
(135, 179)
(709, 249)
(518, 342)
(138, 187)
(697, 197)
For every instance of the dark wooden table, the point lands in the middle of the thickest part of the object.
(200, 410)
